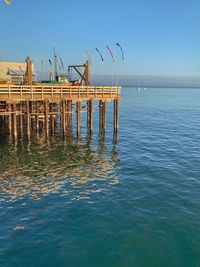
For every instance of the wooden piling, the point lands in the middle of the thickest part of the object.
(70, 109)
(63, 116)
(14, 120)
(28, 118)
(51, 107)
(87, 74)
(100, 115)
(37, 117)
(104, 116)
(46, 103)
(67, 114)
(9, 118)
(116, 116)
(21, 118)
(78, 117)
(90, 116)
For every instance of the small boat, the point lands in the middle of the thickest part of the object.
(75, 83)
(138, 88)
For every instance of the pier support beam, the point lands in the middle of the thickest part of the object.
(78, 117)
(52, 122)
(70, 110)
(46, 103)
(116, 116)
(67, 113)
(31, 106)
(28, 118)
(21, 118)
(9, 119)
(37, 117)
(102, 115)
(64, 116)
(90, 116)
(14, 120)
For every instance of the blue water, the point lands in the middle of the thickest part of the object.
(126, 200)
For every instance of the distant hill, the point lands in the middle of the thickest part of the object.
(146, 81)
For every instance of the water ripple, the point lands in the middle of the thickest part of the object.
(53, 169)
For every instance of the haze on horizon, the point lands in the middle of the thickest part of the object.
(160, 38)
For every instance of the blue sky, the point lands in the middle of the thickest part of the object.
(158, 37)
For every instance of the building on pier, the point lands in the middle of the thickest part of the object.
(14, 72)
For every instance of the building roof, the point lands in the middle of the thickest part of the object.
(18, 72)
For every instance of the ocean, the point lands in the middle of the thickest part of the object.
(130, 199)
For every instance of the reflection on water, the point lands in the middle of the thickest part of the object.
(42, 166)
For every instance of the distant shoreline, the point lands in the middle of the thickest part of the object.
(170, 87)
(148, 81)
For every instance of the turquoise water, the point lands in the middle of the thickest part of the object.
(126, 200)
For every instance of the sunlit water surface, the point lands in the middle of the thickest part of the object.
(126, 200)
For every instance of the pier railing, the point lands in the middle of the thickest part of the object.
(55, 92)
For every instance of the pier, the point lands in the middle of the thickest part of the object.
(29, 107)
(24, 108)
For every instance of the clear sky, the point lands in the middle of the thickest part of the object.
(159, 37)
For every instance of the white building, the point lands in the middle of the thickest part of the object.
(13, 72)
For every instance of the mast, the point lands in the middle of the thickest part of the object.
(55, 63)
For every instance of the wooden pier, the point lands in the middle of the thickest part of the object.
(24, 108)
